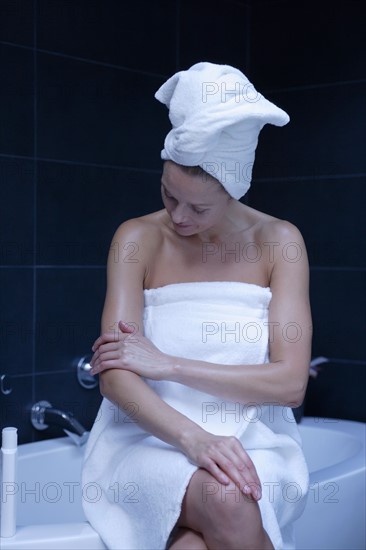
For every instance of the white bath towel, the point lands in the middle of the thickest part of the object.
(133, 483)
(216, 116)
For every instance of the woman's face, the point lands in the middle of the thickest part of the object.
(195, 203)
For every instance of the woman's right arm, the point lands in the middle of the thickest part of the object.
(126, 269)
(132, 251)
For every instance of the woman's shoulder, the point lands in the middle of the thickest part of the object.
(281, 231)
(145, 233)
(282, 244)
(142, 225)
(269, 228)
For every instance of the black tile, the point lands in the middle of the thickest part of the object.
(338, 301)
(306, 42)
(16, 21)
(63, 392)
(139, 35)
(338, 392)
(69, 307)
(15, 407)
(16, 325)
(324, 136)
(80, 207)
(16, 211)
(210, 31)
(16, 95)
(329, 213)
(100, 115)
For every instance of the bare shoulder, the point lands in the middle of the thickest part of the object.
(281, 244)
(280, 231)
(288, 259)
(139, 237)
(141, 227)
(270, 231)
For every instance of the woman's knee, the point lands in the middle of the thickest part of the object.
(234, 520)
(209, 503)
(224, 516)
(228, 508)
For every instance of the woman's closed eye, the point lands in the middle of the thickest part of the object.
(195, 209)
(198, 210)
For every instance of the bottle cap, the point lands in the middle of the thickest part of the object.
(9, 439)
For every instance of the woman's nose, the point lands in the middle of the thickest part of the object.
(179, 213)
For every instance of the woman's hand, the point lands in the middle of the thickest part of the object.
(128, 351)
(226, 460)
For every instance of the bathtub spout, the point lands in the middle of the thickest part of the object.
(43, 414)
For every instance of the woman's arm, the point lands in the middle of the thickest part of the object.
(283, 380)
(126, 269)
(223, 457)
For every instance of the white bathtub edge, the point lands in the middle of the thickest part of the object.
(74, 535)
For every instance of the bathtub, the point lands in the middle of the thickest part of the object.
(49, 492)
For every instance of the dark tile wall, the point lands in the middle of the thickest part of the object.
(80, 137)
(308, 57)
(80, 141)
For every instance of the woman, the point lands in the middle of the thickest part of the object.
(205, 344)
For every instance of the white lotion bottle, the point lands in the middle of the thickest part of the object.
(8, 482)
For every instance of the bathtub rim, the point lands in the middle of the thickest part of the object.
(29, 537)
(356, 463)
(91, 539)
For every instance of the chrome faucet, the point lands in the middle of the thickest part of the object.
(43, 414)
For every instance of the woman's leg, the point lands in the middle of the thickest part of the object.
(223, 515)
(186, 539)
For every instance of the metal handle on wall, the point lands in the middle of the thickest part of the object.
(85, 379)
(4, 390)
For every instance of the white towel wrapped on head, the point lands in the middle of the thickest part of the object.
(216, 116)
(135, 483)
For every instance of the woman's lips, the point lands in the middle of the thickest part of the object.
(182, 225)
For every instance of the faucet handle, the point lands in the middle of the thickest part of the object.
(37, 415)
(85, 379)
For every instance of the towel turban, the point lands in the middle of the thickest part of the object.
(216, 116)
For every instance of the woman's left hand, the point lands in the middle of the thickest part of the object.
(128, 351)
